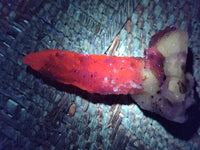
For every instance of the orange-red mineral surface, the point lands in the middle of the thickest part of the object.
(158, 82)
(94, 73)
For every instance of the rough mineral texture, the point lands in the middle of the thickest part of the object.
(35, 114)
(175, 95)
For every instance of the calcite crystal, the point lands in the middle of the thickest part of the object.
(157, 82)
(94, 73)
(175, 95)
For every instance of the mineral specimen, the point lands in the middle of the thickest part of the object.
(157, 82)
(175, 95)
(93, 73)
